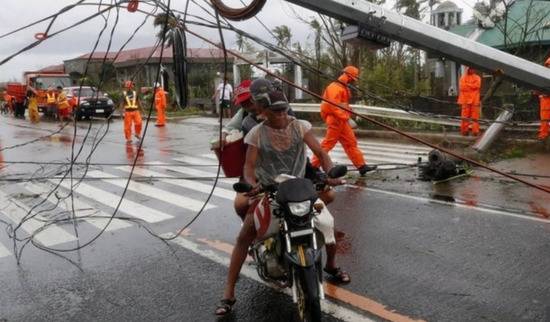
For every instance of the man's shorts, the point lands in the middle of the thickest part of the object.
(225, 104)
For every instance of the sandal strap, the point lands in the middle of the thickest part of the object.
(226, 305)
(339, 274)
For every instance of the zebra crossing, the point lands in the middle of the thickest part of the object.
(179, 189)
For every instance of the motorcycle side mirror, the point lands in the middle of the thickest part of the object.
(338, 171)
(242, 187)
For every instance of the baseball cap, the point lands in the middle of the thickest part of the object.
(242, 92)
(277, 101)
(260, 88)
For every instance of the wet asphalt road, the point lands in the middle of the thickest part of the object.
(482, 256)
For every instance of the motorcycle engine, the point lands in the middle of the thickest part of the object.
(269, 256)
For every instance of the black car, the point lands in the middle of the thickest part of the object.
(91, 104)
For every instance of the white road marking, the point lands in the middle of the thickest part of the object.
(376, 155)
(401, 151)
(129, 207)
(196, 173)
(82, 209)
(210, 156)
(342, 157)
(396, 146)
(205, 159)
(150, 191)
(454, 204)
(49, 236)
(188, 184)
(4, 251)
(328, 307)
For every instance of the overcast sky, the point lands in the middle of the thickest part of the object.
(81, 39)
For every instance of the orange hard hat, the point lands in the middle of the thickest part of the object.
(128, 84)
(352, 72)
(547, 62)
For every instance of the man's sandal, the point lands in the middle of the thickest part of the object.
(225, 306)
(338, 275)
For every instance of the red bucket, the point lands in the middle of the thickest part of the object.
(232, 159)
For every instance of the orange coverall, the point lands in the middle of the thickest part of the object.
(338, 128)
(544, 111)
(8, 102)
(544, 116)
(63, 106)
(131, 115)
(160, 105)
(470, 85)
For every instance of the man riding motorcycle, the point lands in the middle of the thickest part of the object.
(278, 146)
(251, 96)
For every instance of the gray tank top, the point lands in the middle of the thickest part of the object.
(280, 151)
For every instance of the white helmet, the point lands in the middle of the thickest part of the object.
(156, 84)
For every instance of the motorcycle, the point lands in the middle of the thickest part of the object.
(287, 251)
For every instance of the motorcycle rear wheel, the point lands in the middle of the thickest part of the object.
(309, 302)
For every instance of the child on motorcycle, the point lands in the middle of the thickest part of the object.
(276, 146)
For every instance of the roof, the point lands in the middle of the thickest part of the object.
(447, 6)
(142, 54)
(533, 14)
(53, 68)
(98, 55)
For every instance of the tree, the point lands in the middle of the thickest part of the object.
(283, 36)
(170, 21)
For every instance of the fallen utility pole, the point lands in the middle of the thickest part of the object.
(372, 120)
(490, 135)
(433, 39)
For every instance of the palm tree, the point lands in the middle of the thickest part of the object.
(171, 23)
(282, 35)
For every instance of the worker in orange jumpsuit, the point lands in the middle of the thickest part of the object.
(51, 101)
(468, 98)
(544, 111)
(160, 105)
(7, 103)
(132, 114)
(34, 117)
(63, 106)
(338, 120)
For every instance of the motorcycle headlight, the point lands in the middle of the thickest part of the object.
(299, 208)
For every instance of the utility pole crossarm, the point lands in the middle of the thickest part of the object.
(432, 39)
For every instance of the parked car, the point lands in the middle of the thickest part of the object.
(91, 104)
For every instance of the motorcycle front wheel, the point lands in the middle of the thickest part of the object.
(309, 302)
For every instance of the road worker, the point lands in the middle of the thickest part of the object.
(51, 101)
(34, 117)
(544, 111)
(63, 106)
(468, 98)
(7, 103)
(160, 104)
(338, 120)
(131, 112)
